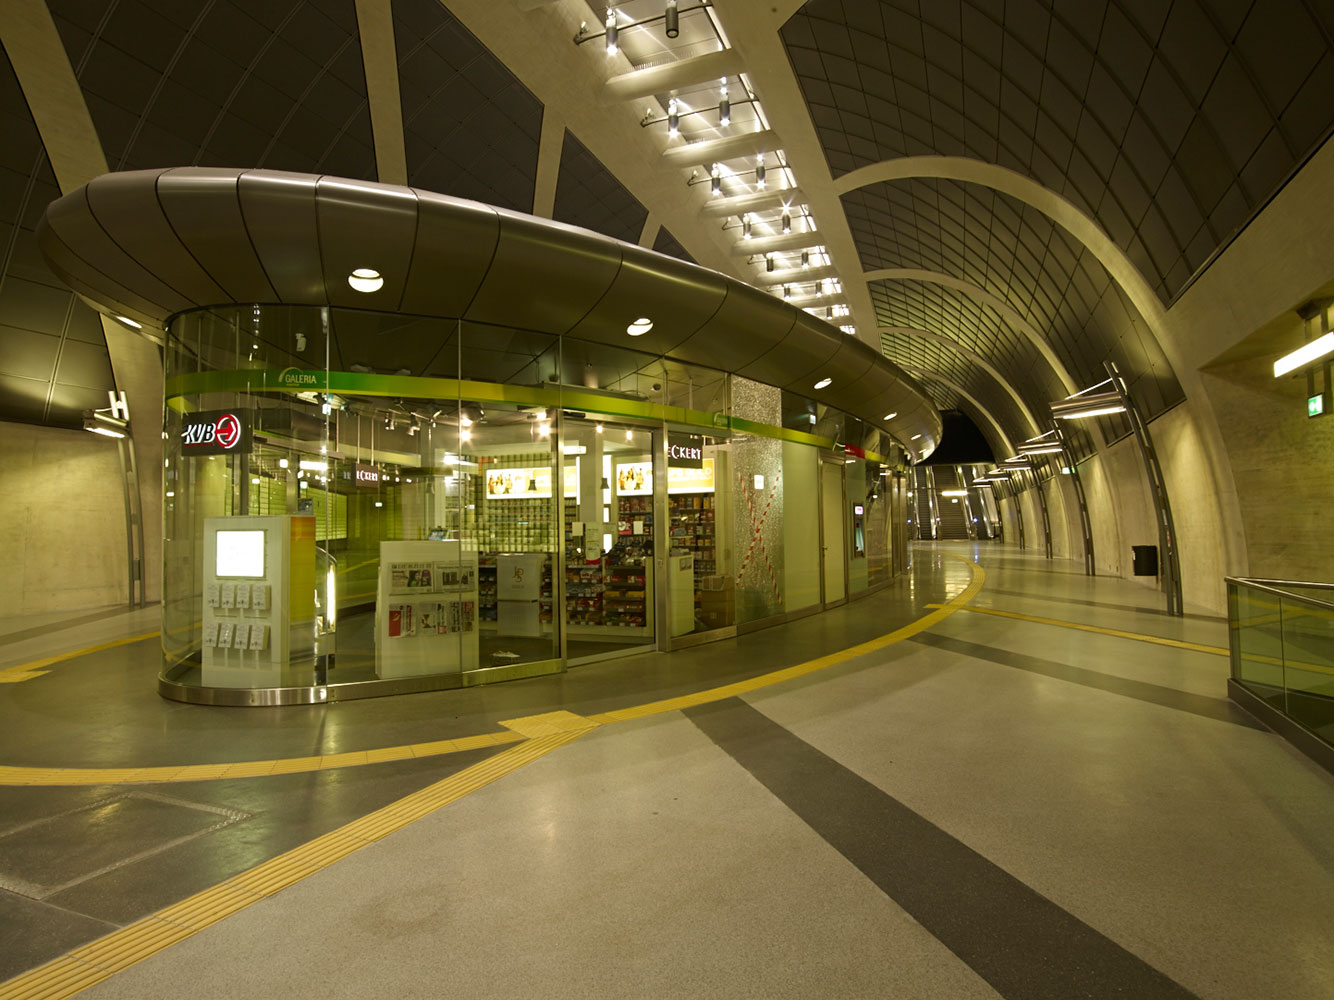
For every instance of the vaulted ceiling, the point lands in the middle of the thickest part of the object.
(997, 195)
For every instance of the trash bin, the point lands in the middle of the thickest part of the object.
(1146, 560)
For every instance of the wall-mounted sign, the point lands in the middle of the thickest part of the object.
(854, 451)
(530, 484)
(1315, 405)
(685, 451)
(858, 509)
(636, 479)
(216, 432)
(366, 475)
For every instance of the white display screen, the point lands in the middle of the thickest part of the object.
(240, 553)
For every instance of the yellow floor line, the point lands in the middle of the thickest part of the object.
(1140, 636)
(551, 722)
(25, 671)
(120, 949)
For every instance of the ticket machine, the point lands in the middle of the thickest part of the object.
(259, 601)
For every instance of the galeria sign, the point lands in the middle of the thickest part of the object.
(685, 451)
(216, 432)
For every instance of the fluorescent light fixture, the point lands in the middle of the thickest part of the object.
(639, 327)
(129, 322)
(1040, 449)
(980, 483)
(1092, 405)
(1304, 355)
(824, 383)
(891, 416)
(110, 432)
(916, 436)
(954, 493)
(365, 279)
(310, 465)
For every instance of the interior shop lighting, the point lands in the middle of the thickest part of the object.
(639, 327)
(1093, 405)
(365, 279)
(612, 31)
(629, 434)
(824, 383)
(891, 416)
(311, 465)
(673, 19)
(1304, 355)
(598, 428)
(759, 172)
(544, 430)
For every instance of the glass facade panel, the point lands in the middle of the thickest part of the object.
(433, 503)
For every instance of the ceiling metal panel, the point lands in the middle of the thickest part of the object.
(534, 278)
(133, 212)
(203, 208)
(73, 223)
(279, 210)
(348, 244)
(743, 326)
(540, 279)
(455, 242)
(678, 298)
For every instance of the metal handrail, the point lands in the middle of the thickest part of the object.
(1275, 587)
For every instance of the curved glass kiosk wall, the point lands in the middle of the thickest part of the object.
(359, 503)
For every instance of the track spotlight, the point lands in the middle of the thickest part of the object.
(673, 20)
(612, 31)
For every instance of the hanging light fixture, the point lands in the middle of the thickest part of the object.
(612, 31)
(745, 226)
(787, 222)
(828, 312)
(805, 258)
(724, 107)
(769, 262)
(759, 171)
(716, 184)
(787, 292)
(673, 19)
(673, 119)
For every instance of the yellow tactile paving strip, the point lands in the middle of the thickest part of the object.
(36, 668)
(108, 955)
(537, 725)
(1138, 636)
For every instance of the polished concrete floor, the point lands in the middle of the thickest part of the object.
(992, 806)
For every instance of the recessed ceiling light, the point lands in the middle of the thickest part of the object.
(890, 416)
(823, 383)
(365, 279)
(639, 327)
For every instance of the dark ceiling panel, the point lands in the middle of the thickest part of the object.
(471, 129)
(667, 243)
(1096, 100)
(53, 354)
(238, 83)
(590, 196)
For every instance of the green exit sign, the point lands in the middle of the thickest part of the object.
(1315, 405)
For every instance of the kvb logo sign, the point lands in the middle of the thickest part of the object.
(216, 432)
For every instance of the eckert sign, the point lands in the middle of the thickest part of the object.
(216, 432)
(685, 451)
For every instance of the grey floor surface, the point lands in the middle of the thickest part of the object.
(998, 807)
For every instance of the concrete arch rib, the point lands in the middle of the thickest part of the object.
(1001, 436)
(1006, 311)
(1030, 192)
(975, 358)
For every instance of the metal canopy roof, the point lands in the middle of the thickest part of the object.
(153, 243)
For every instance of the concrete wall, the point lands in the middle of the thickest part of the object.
(62, 541)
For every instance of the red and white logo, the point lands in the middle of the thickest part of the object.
(227, 431)
(215, 432)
